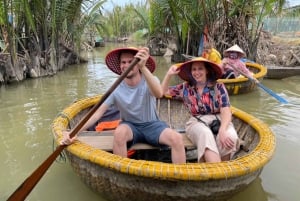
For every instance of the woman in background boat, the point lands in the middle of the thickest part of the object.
(206, 100)
(135, 98)
(232, 65)
(211, 53)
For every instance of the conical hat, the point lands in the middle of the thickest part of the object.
(235, 48)
(112, 59)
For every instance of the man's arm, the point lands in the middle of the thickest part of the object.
(153, 83)
(154, 86)
(94, 118)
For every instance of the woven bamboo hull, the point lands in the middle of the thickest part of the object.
(277, 72)
(118, 178)
(244, 85)
(114, 185)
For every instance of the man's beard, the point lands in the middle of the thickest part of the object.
(130, 76)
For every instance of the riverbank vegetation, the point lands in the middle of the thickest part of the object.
(41, 37)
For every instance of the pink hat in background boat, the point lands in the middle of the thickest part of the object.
(185, 69)
(234, 48)
(112, 59)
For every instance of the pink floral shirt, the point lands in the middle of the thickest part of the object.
(210, 102)
(235, 62)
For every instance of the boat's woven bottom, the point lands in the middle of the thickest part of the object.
(117, 186)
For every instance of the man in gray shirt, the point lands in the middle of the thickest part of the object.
(135, 98)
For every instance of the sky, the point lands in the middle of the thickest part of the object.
(110, 3)
(294, 2)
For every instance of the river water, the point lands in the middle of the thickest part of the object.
(27, 110)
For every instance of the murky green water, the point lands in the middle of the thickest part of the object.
(28, 109)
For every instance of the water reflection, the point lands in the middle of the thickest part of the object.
(256, 191)
(28, 109)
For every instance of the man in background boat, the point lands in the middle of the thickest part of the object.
(232, 65)
(208, 102)
(211, 53)
(135, 98)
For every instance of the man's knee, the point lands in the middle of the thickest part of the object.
(122, 134)
(176, 139)
(171, 138)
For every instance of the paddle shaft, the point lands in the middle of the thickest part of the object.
(269, 91)
(26, 187)
(237, 69)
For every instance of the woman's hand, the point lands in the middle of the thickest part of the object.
(173, 70)
(226, 141)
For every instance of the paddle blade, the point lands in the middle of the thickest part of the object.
(269, 91)
(26, 187)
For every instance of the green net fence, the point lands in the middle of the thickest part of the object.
(284, 27)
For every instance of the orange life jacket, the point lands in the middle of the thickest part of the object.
(107, 125)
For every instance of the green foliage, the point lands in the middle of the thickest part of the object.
(228, 21)
(139, 36)
(53, 21)
(2, 13)
(122, 21)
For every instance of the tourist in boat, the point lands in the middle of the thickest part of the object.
(135, 98)
(211, 53)
(232, 65)
(206, 100)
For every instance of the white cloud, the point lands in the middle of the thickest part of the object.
(110, 4)
(294, 2)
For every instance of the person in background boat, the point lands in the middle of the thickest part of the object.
(232, 65)
(135, 98)
(211, 53)
(206, 100)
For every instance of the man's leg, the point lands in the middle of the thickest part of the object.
(174, 140)
(122, 135)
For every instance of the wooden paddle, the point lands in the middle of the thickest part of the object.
(269, 91)
(26, 187)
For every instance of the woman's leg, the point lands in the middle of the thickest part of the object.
(226, 154)
(203, 138)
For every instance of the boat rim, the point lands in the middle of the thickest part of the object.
(241, 166)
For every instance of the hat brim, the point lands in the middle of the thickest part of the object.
(112, 60)
(234, 48)
(241, 54)
(185, 69)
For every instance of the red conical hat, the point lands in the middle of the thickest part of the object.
(112, 59)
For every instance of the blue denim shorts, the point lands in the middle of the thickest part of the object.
(148, 132)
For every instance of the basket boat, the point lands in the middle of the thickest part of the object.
(117, 178)
(244, 85)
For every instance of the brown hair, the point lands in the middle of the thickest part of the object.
(133, 52)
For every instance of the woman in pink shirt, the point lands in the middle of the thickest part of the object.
(232, 65)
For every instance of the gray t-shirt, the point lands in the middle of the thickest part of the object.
(136, 104)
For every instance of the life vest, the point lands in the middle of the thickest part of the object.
(107, 125)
